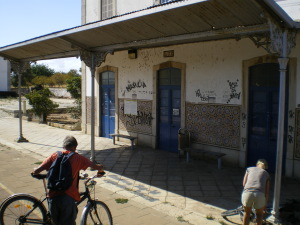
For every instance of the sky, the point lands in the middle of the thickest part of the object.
(21, 20)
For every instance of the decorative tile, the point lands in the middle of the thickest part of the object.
(141, 123)
(217, 125)
(89, 111)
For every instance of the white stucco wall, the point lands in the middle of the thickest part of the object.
(92, 10)
(210, 66)
(4, 75)
(132, 5)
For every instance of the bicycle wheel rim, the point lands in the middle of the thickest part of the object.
(96, 214)
(13, 211)
(230, 212)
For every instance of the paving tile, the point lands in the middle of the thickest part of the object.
(158, 184)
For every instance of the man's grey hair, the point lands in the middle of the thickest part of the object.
(69, 142)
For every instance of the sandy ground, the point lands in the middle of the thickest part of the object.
(8, 105)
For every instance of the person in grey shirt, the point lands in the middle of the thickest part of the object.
(256, 191)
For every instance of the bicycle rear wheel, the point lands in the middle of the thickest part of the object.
(22, 209)
(96, 213)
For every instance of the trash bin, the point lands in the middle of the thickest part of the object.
(183, 141)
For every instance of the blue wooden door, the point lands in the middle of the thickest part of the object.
(107, 93)
(169, 108)
(263, 114)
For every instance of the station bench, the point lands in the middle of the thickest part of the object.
(204, 154)
(124, 136)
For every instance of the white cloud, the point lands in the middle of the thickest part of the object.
(62, 64)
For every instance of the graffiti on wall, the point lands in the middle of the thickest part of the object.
(136, 87)
(142, 118)
(204, 96)
(297, 134)
(233, 90)
(142, 122)
(244, 120)
(291, 129)
(133, 85)
(244, 142)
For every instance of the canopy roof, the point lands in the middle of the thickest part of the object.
(175, 23)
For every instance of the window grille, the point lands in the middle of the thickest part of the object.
(167, 1)
(107, 9)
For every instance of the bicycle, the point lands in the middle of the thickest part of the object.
(26, 209)
(239, 211)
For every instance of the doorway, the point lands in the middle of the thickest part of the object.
(264, 82)
(169, 108)
(107, 93)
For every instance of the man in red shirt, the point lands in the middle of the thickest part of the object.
(62, 205)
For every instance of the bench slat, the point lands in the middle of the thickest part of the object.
(216, 155)
(124, 136)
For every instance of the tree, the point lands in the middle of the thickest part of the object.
(41, 70)
(73, 73)
(34, 71)
(40, 80)
(60, 78)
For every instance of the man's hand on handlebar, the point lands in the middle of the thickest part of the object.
(100, 173)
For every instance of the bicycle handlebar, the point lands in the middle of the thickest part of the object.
(39, 176)
(44, 176)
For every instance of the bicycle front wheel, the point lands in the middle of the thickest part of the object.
(96, 213)
(232, 215)
(22, 209)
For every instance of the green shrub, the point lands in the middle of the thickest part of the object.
(74, 87)
(41, 103)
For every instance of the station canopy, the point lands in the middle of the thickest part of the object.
(177, 22)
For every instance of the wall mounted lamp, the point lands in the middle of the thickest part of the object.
(132, 53)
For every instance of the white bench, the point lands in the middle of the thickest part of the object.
(124, 136)
(204, 154)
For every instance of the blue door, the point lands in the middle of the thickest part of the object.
(263, 114)
(107, 93)
(169, 108)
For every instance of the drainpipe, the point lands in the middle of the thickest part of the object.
(283, 61)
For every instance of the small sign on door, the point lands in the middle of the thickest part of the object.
(175, 112)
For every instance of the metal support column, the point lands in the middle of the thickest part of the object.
(283, 61)
(19, 68)
(92, 60)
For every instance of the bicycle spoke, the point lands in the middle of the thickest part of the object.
(98, 214)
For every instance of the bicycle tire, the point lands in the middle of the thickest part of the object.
(232, 212)
(96, 213)
(14, 208)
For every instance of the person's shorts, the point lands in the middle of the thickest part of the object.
(255, 199)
